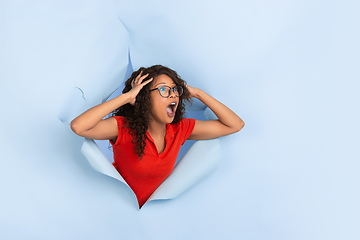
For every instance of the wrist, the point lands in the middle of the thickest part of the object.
(199, 93)
(125, 97)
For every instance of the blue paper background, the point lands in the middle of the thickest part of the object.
(289, 69)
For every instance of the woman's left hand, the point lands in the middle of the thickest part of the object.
(193, 91)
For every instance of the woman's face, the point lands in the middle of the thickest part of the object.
(163, 109)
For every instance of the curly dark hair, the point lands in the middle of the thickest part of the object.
(137, 116)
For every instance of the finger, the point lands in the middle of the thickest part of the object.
(143, 77)
(138, 80)
(146, 82)
(138, 76)
(134, 82)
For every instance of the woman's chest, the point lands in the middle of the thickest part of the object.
(159, 144)
(153, 163)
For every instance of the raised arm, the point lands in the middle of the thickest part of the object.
(90, 124)
(228, 122)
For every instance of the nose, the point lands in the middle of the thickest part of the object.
(172, 93)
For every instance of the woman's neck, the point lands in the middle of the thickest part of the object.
(156, 129)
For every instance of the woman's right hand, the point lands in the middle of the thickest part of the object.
(91, 124)
(137, 84)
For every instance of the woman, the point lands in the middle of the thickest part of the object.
(147, 128)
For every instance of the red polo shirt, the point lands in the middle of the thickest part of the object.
(144, 176)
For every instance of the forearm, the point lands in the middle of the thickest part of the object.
(94, 115)
(224, 114)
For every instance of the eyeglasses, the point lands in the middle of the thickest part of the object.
(165, 91)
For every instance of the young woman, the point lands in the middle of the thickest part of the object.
(147, 128)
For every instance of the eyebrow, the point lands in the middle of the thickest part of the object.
(163, 83)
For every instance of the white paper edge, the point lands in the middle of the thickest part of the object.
(198, 162)
(98, 160)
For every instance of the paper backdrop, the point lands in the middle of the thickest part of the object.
(289, 69)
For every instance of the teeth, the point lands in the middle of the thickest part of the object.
(172, 103)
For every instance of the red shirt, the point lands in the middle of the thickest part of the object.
(144, 176)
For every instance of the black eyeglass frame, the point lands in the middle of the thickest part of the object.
(169, 92)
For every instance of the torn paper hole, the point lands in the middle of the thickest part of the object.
(199, 161)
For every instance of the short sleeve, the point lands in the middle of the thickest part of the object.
(187, 126)
(120, 124)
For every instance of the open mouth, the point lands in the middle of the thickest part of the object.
(171, 109)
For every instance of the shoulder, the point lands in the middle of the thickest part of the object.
(120, 120)
(123, 131)
(183, 129)
(121, 123)
(187, 122)
(185, 125)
